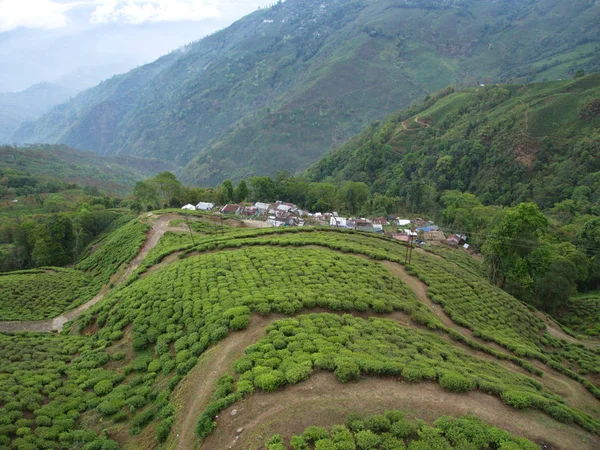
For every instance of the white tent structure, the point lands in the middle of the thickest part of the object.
(204, 206)
(189, 207)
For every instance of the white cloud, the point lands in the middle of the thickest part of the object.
(45, 14)
(140, 11)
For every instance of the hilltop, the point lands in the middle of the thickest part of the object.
(280, 87)
(242, 334)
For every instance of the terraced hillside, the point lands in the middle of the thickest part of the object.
(274, 338)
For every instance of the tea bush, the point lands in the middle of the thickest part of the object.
(43, 293)
(445, 433)
(351, 347)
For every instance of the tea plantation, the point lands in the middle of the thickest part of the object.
(582, 314)
(112, 378)
(352, 347)
(394, 431)
(48, 292)
(43, 293)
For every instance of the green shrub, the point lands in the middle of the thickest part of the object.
(346, 370)
(367, 440)
(454, 381)
(103, 387)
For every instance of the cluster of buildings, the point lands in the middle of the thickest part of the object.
(287, 214)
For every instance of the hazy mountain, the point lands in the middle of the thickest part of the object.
(30, 104)
(283, 85)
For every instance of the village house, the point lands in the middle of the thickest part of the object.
(338, 222)
(249, 211)
(189, 207)
(379, 221)
(406, 235)
(232, 209)
(456, 239)
(262, 208)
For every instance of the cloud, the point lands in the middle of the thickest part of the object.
(140, 11)
(45, 14)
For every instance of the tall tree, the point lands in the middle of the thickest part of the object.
(241, 192)
(227, 191)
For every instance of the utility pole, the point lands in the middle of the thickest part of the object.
(410, 243)
(187, 220)
(407, 247)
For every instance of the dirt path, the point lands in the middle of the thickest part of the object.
(322, 400)
(196, 389)
(555, 330)
(45, 326)
(194, 393)
(420, 122)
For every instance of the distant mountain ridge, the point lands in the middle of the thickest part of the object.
(280, 87)
(30, 104)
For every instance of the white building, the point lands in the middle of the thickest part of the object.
(285, 208)
(402, 222)
(188, 207)
(262, 207)
(339, 222)
(204, 206)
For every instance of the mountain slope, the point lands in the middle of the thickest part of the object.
(30, 104)
(281, 86)
(506, 144)
(27, 166)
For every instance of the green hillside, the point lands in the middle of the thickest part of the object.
(273, 338)
(35, 168)
(280, 87)
(504, 143)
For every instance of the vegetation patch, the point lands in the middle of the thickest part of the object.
(582, 314)
(42, 294)
(393, 430)
(351, 347)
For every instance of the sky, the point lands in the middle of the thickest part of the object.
(79, 43)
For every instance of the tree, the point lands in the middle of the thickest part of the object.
(354, 196)
(145, 194)
(506, 250)
(241, 191)
(263, 189)
(160, 191)
(227, 191)
(588, 240)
